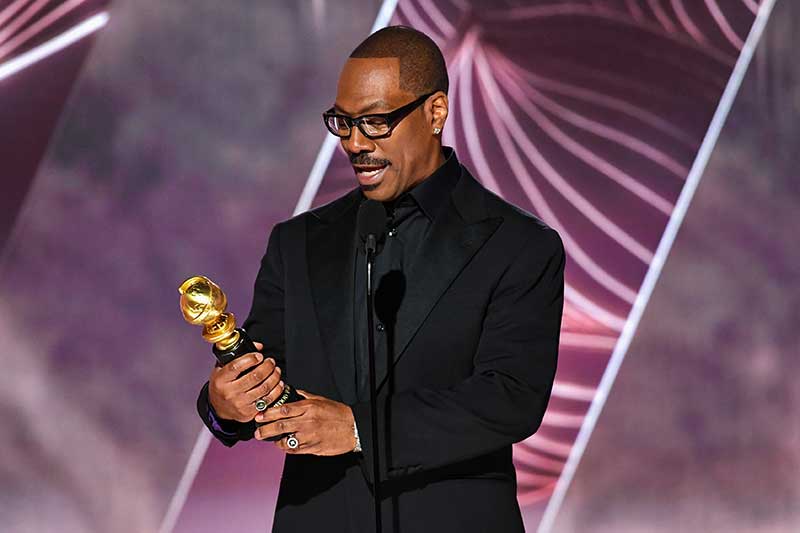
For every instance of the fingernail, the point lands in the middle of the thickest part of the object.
(257, 436)
(271, 360)
(259, 418)
(259, 357)
(280, 385)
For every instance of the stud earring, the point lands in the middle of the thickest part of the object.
(437, 131)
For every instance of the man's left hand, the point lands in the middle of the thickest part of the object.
(321, 426)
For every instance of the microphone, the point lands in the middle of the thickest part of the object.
(371, 223)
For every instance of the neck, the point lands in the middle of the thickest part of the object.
(433, 162)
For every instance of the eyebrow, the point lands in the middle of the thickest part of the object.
(370, 107)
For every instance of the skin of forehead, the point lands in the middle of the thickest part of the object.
(366, 80)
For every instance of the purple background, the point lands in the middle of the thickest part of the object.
(193, 128)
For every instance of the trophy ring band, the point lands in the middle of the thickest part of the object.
(261, 405)
(291, 441)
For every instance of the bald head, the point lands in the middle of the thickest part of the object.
(422, 66)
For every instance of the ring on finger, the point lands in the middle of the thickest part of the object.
(291, 441)
(261, 404)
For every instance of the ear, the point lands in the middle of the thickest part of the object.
(438, 110)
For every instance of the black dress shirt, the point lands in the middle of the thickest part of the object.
(410, 217)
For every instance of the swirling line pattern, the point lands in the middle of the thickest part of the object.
(25, 24)
(589, 114)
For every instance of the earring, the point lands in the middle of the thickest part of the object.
(437, 131)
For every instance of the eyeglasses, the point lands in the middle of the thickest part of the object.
(373, 126)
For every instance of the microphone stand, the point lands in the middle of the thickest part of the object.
(371, 248)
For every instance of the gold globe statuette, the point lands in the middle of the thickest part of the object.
(203, 303)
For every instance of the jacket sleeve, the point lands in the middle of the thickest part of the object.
(264, 324)
(504, 400)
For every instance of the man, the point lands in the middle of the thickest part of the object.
(468, 310)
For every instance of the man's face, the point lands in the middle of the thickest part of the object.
(385, 167)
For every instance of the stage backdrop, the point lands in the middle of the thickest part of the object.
(194, 127)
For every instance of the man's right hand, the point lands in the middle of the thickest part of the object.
(234, 397)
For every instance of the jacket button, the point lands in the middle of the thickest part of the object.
(380, 327)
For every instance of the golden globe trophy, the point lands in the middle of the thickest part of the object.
(204, 304)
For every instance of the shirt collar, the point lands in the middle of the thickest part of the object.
(431, 193)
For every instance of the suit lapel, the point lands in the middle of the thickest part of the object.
(331, 257)
(458, 232)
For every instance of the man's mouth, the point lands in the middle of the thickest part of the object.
(369, 174)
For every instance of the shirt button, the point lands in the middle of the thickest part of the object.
(380, 327)
(392, 232)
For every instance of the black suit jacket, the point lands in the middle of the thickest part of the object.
(476, 348)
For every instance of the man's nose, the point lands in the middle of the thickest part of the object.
(357, 142)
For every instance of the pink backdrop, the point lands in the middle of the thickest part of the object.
(598, 116)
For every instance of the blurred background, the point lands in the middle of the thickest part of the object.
(145, 141)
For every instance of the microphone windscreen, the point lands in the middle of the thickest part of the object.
(371, 220)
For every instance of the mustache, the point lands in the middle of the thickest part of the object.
(365, 159)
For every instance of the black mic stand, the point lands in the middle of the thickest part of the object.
(371, 248)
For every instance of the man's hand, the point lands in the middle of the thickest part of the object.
(322, 426)
(233, 397)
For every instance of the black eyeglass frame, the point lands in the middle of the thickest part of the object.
(392, 118)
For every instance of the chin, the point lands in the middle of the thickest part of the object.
(377, 193)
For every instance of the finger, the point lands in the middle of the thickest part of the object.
(281, 443)
(258, 346)
(313, 449)
(289, 410)
(254, 377)
(249, 412)
(265, 386)
(309, 395)
(277, 428)
(232, 370)
(269, 390)
(307, 444)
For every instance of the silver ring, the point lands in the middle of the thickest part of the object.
(291, 441)
(261, 405)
